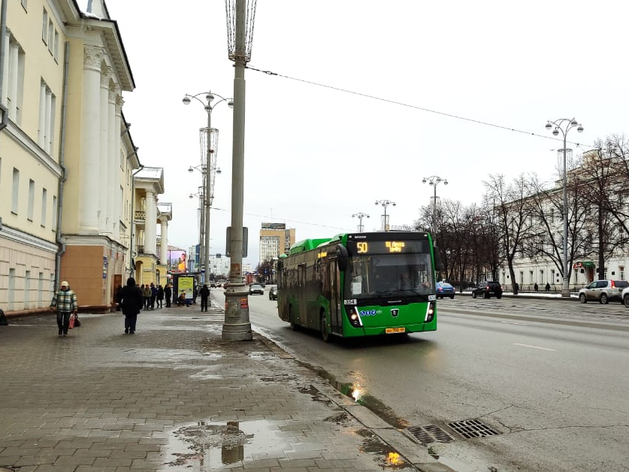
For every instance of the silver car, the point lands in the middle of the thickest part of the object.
(603, 291)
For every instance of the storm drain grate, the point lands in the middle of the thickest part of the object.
(472, 429)
(430, 434)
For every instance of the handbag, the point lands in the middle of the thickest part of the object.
(72, 320)
(77, 321)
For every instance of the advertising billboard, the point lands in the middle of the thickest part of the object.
(176, 260)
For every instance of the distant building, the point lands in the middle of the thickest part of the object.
(275, 239)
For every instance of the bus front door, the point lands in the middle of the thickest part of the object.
(335, 299)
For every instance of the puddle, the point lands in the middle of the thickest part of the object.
(213, 446)
(386, 457)
(359, 395)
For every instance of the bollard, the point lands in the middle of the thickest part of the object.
(3, 319)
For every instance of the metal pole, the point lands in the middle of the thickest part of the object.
(565, 292)
(237, 326)
(208, 170)
(434, 207)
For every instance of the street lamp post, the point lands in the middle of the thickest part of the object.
(385, 204)
(201, 196)
(209, 98)
(240, 20)
(564, 125)
(434, 180)
(360, 215)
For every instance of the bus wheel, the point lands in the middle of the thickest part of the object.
(325, 335)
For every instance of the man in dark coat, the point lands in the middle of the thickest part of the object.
(168, 293)
(205, 294)
(132, 302)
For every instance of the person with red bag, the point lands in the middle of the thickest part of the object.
(65, 303)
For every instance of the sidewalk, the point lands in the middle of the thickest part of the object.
(175, 397)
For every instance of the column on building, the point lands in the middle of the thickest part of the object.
(90, 142)
(150, 224)
(104, 152)
(163, 258)
(113, 161)
(119, 201)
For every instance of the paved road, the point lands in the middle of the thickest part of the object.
(544, 374)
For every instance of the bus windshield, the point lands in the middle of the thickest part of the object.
(389, 275)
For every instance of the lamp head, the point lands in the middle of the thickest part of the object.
(190, 169)
(548, 126)
(424, 180)
(230, 103)
(580, 128)
(555, 132)
(218, 171)
(209, 97)
(445, 182)
(376, 202)
(186, 100)
(393, 203)
(573, 123)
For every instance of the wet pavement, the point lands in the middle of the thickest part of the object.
(175, 397)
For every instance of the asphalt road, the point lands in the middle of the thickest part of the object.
(549, 377)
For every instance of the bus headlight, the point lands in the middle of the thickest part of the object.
(354, 318)
(430, 312)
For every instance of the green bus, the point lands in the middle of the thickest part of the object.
(360, 284)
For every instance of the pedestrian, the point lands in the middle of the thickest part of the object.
(146, 293)
(168, 293)
(535, 287)
(205, 294)
(160, 296)
(153, 295)
(65, 303)
(547, 287)
(132, 302)
(174, 296)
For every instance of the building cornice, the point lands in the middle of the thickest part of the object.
(24, 141)
(21, 237)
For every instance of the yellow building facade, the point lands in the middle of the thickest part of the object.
(67, 159)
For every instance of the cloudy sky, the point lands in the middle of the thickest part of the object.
(370, 97)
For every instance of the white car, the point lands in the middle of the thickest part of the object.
(604, 291)
(625, 296)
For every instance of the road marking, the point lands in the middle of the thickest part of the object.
(512, 322)
(535, 347)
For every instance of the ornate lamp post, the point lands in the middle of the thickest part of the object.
(360, 216)
(564, 125)
(240, 19)
(385, 219)
(209, 164)
(434, 180)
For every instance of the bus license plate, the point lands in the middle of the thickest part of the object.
(395, 330)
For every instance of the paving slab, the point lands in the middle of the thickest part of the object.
(175, 397)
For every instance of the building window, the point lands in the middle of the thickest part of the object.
(55, 51)
(47, 104)
(16, 191)
(44, 206)
(31, 199)
(44, 30)
(27, 289)
(40, 289)
(54, 213)
(51, 35)
(11, 288)
(13, 81)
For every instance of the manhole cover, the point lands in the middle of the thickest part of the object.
(430, 434)
(472, 429)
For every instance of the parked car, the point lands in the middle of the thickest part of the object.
(273, 293)
(603, 291)
(444, 289)
(487, 289)
(256, 288)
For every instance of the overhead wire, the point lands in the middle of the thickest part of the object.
(416, 107)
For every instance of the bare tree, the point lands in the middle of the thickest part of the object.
(513, 211)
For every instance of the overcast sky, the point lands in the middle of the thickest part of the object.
(315, 155)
